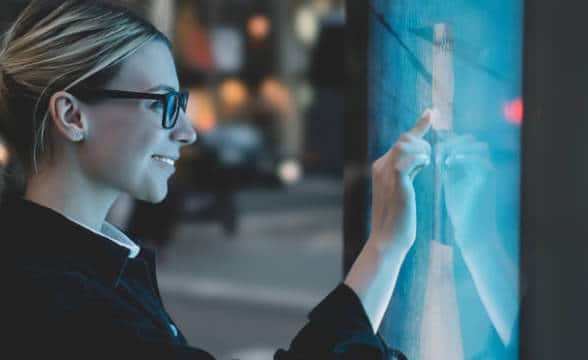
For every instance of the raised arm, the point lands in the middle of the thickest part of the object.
(470, 199)
(393, 222)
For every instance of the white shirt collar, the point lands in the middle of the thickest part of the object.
(115, 235)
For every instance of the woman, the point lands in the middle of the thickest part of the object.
(90, 105)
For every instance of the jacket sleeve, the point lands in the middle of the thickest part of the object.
(338, 328)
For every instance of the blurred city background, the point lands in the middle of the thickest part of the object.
(249, 238)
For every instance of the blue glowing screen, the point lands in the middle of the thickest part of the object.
(457, 293)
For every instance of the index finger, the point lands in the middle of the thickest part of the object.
(423, 125)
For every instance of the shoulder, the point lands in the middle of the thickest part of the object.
(49, 292)
(42, 286)
(43, 299)
(54, 292)
(39, 301)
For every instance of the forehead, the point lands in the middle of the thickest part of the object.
(150, 66)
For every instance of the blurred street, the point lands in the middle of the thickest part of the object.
(249, 238)
(245, 296)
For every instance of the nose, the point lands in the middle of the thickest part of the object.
(184, 131)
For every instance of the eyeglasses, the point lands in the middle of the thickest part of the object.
(172, 101)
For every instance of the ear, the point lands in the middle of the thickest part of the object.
(67, 116)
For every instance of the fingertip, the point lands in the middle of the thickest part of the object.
(427, 113)
(424, 123)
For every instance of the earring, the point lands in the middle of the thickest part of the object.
(78, 134)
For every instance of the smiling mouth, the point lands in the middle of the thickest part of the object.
(164, 159)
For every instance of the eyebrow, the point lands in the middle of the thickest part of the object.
(162, 87)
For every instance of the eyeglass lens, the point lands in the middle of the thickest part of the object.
(171, 112)
(174, 103)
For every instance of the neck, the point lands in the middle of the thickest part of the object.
(71, 194)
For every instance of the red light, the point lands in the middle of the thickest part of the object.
(513, 111)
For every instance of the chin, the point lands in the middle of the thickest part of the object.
(155, 196)
(159, 198)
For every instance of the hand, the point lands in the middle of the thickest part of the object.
(393, 222)
(470, 199)
(467, 175)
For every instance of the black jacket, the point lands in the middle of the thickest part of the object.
(71, 293)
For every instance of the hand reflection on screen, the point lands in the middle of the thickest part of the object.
(470, 199)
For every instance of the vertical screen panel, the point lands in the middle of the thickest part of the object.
(457, 294)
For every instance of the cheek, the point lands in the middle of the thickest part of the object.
(120, 157)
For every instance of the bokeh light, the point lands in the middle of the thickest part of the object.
(258, 27)
(234, 95)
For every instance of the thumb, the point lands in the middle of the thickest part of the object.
(420, 161)
(412, 164)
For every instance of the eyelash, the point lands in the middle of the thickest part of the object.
(157, 104)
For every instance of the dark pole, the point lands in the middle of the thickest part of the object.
(554, 231)
(355, 131)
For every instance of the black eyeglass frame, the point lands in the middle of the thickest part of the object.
(176, 99)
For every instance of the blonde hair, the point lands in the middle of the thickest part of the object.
(54, 46)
